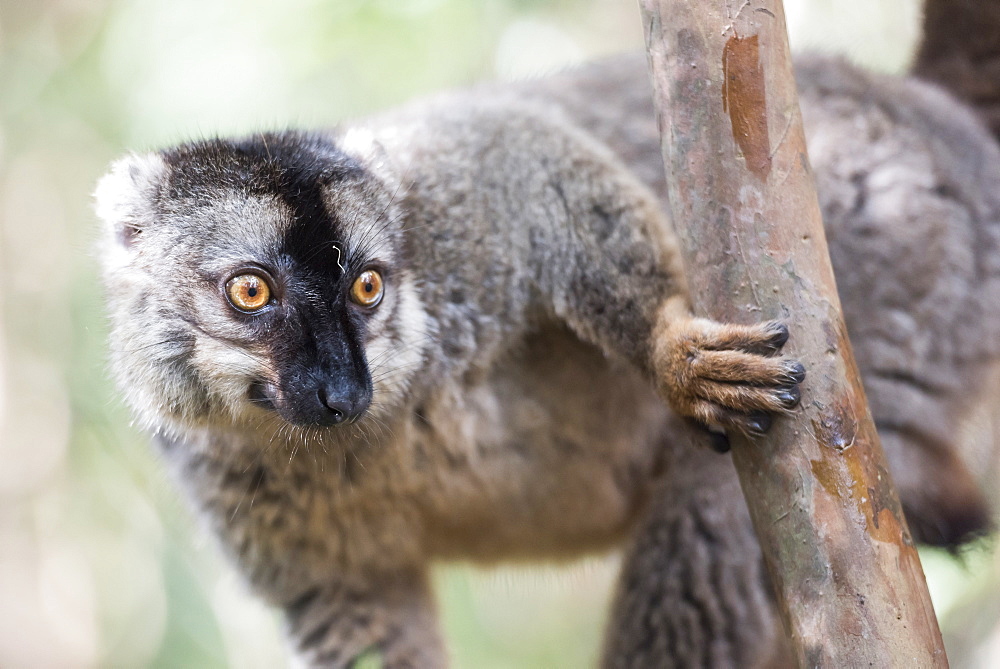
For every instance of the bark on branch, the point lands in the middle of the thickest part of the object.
(848, 578)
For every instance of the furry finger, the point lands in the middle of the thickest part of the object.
(748, 398)
(765, 339)
(736, 367)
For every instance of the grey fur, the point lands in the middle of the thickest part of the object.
(513, 414)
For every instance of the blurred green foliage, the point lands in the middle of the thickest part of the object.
(100, 562)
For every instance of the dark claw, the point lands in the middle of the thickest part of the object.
(758, 423)
(789, 397)
(779, 338)
(795, 373)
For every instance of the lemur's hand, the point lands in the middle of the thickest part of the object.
(727, 376)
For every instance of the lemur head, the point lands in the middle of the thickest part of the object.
(255, 277)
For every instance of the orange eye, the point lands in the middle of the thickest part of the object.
(248, 292)
(367, 289)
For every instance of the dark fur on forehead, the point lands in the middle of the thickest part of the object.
(277, 163)
(295, 167)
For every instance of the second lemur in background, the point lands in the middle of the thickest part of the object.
(440, 335)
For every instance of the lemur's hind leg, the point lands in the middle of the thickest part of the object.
(693, 590)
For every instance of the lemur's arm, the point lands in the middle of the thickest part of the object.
(334, 614)
(393, 618)
(555, 223)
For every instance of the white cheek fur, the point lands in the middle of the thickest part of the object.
(392, 357)
(230, 370)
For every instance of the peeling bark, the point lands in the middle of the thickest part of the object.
(849, 581)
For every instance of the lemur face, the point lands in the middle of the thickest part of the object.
(259, 277)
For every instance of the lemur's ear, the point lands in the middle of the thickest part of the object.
(125, 197)
(360, 143)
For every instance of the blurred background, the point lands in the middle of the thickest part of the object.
(101, 565)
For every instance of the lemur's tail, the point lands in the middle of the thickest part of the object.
(961, 52)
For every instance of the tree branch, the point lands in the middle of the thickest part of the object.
(849, 582)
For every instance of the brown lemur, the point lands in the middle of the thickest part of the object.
(447, 333)
(447, 345)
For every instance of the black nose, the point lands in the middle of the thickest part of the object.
(341, 407)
